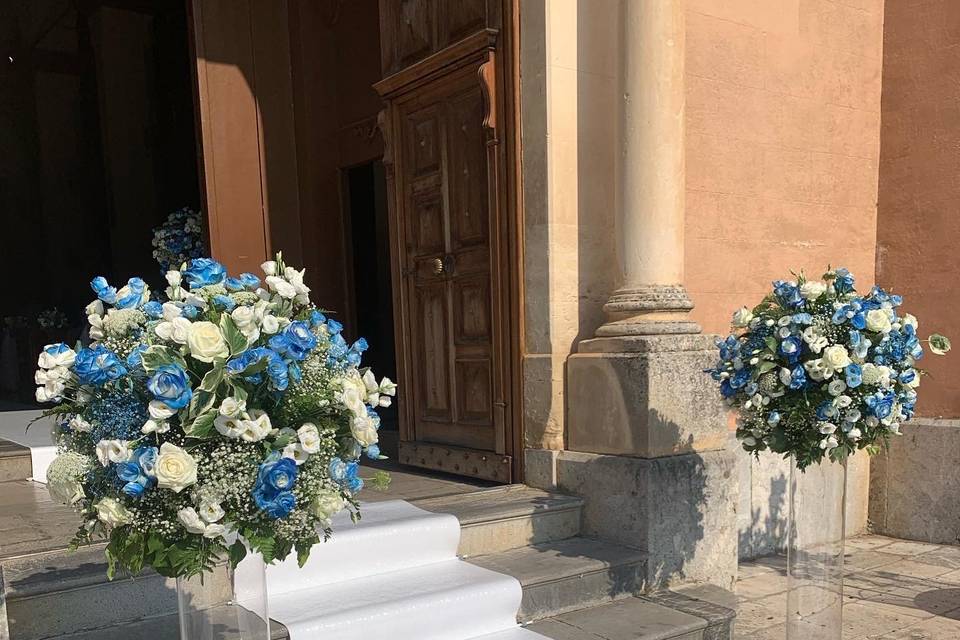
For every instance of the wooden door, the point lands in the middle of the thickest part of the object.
(449, 243)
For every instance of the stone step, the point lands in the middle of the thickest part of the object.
(504, 518)
(14, 461)
(571, 574)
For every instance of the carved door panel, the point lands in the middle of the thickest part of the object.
(448, 244)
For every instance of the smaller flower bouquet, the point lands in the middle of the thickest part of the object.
(179, 239)
(817, 369)
(229, 414)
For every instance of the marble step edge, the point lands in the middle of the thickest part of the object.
(15, 461)
(570, 574)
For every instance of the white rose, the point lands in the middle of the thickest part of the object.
(878, 321)
(206, 342)
(269, 268)
(159, 410)
(327, 504)
(112, 451)
(50, 361)
(256, 428)
(171, 311)
(112, 513)
(233, 408)
(854, 434)
(246, 320)
(190, 519)
(228, 427)
(79, 424)
(742, 317)
(155, 426)
(309, 437)
(836, 357)
(364, 430)
(96, 327)
(826, 428)
(176, 330)
(174, 278)
(210, 511)
(215, 530)
(176, 469)
(812, 290)
(295, 452)
(270, 324)
(95, 308)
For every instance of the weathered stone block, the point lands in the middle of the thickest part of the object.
(914, 484)
(644, 396)
(681, 510)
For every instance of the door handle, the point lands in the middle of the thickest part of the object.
(438, 267)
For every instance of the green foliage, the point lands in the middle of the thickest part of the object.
(235, 339)
(158, 355)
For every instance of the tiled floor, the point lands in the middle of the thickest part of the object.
(894, 590)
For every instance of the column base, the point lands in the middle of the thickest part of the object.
(648, 310)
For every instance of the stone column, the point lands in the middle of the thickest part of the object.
(650, 174)
(647, 437)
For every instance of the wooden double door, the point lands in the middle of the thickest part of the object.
(443, 125)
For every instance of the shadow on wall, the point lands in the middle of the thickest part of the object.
(764, 530)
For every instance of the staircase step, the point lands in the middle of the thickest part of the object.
(569, 574)
(14, 461)
(510, 517)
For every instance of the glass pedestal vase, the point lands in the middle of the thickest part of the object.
(816, 530)
(225, 604)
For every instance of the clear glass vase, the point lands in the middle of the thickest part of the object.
(225, 604)
(816, 530)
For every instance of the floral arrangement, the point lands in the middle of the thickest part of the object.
(817, 369)
(52, 319)
(230, 415)
(179, 239)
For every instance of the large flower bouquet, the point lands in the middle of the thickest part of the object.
(817, 369)
(179, 239)
(230, 415)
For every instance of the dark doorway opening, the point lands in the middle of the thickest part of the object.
(366, 211)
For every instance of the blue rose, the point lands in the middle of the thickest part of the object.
(169, 385)
(223, 302)
(189, 311)
(249, 281)
(317, 318)
(103, 290)
(798, 378)
(132, 294)
(881, 404)
(146, 458)
(295, 341)
(790, 348)
(279, 475)
(233, 284)
(788, 293)
(854, 375)
(740, 378)
(337, 469)
(726, 389)
(153, 309)
(277, 505)
(773, 418)
(135, 357)
(843, 283)
(334, 327)
(373, 452)
(272, 490)
(826, 410)
(204, 272)
(128, 471)
(98, 366)
(133, 489)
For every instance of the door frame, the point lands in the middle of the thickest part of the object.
(503, 117)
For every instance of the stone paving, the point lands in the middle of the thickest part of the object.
(894, 590)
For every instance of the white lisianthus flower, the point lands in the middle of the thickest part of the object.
(854, 434)
(175, 468)
(64, 358)
(270, 324)
(176, 330)
(257, 427)
(112, 513)
(246, 320)
(159, 410)
(174, 278)
(281, 287)
(364, 430)
(309, 437)
(910, 319)
(191, 521)
(233, 408)
(214, 530)
(206, 343)
(95, 308)
(836, 357)
(326, 504)
(878, 320)
(814, 339)
(836, 387)
(269, 268)
(210, 511)
(826, 428)
(171, 311)
(228, 426)
(830, 442)
(112, 451)
(97, 331)
(155, 426)
(817, 370)
(742, 317)
(77, 423)
(812, 289)
(295, 452)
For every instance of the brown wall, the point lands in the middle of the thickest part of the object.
(919, 224)
(783, 111)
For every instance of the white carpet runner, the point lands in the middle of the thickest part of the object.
(394, 575)
(39, 439)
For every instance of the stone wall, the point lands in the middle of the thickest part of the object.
(918, 224)
(914, 485)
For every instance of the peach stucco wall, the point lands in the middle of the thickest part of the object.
(783, 125)
(919, 221)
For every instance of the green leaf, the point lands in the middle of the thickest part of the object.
(939, 344)
(201, 402)
(238, 392)
(235, 339)
(212, 379)
(202, 425)
(771, 343)
(158, 355)
(767, 365)
(238, 551)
